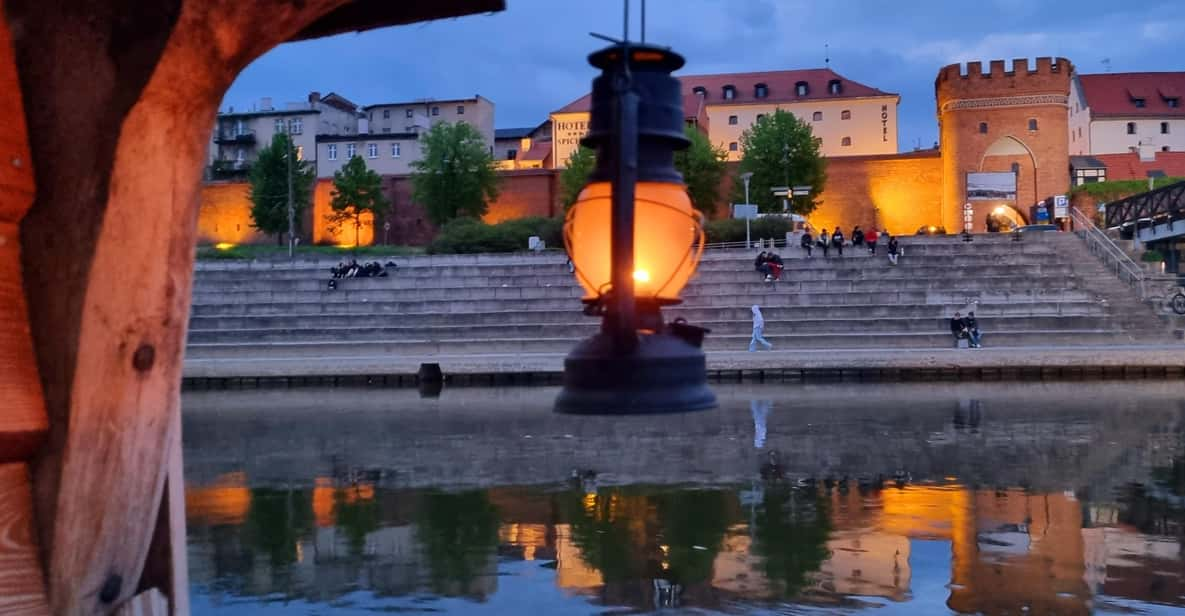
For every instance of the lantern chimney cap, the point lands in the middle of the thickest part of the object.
(641, 58)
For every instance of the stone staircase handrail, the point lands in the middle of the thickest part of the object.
(1112, 255)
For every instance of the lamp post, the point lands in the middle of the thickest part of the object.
(635, 241)
(745, 177)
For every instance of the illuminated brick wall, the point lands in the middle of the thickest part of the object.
(225, 216)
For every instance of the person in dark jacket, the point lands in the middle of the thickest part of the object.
(824, 241)
(971, 324)
(857, 236)
(894, 250)
(807, 242)
(761, 263)
(958, 327)
(837, 241)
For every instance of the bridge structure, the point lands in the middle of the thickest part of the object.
(1156, 217)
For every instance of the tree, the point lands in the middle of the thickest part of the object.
(357, 190)
(269, 187)
(702, 165)
(456, 176)
(780, 150)
(579, 166)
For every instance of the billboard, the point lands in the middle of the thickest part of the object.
(991, 186)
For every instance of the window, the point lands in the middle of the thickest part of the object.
(817, 116)
(846, 141)
(511, 154)
(983, 128)
(239, 128)
(1079, 132)
(732, 120)
(730, 93)
(1164, 148)
(409, 113)
(1138, 102)
(351, 150)
(1016, 168)
(240, 155)
(1131, 128)
(279, 126)
(1164, 128)
(732, 146)
(300, 152)
(332, 151)
(296, 126)
(372, 150)
(394, 150)
(845, 115)
(1032, 123)
(834, 86)
(702, 91)
(436, 111)
(760, 117)
(761, 90)
(386, 129)
(1172, 102)
(386, 114)
(460, 109)
(801, 89)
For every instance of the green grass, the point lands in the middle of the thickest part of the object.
(257, 251)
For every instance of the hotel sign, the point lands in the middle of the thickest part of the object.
(566, 132)
(885, 123)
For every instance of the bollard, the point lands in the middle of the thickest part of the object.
(431, 380)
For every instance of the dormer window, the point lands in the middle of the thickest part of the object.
(1172, 102)
(834, 86)
(700, 90)
(801, 89)
(730, 92)
(760, 90)
(1139, 102)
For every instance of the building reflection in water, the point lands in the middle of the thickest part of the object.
(979, 523)
(648, 546)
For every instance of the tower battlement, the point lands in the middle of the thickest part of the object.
(975, 80)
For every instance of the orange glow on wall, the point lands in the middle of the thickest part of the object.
(322, 231)
(225, 501)
(224, 216)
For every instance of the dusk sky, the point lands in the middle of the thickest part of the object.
(530, 59)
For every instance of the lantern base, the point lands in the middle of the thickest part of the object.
(665, 374)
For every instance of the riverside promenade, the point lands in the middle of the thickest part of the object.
(1048, 310)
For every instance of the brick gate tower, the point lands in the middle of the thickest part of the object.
(1002, 121)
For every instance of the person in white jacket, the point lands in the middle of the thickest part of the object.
(758, 326)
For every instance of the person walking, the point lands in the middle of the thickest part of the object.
(894, 250)
(824, 241)
(870, 239)
(807, 242)
(857, 236)
(837, 241)
(758, 327)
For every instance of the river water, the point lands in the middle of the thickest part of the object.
(994, 498)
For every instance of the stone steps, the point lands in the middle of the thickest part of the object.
(459, 345)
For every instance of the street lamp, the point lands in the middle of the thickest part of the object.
(635, 240)
(745, 177)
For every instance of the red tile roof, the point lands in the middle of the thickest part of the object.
(1128, 166)
(1113, 94)
(540, 150)
(781, 86)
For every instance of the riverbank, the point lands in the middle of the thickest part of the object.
(1002, 363)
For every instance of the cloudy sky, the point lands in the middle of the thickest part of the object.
(530, 59)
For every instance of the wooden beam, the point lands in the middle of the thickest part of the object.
(23, 423)
(22, 590)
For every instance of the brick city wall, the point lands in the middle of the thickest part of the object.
(895, 193)
(225, 212)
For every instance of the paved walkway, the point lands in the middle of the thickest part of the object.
(995, 357)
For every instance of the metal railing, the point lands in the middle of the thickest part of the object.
(1160, 205)
(1112, 256)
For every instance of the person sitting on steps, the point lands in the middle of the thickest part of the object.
(972, 326)
(857, 236)
(870, 239)
(824, 241)
(958, 327)
(761, 264)
(775, 263)
(894, 250)
(837, 240)
(807, 242)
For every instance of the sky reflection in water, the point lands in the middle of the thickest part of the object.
(993, 498)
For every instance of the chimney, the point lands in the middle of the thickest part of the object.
(265, 103)
(314, 96)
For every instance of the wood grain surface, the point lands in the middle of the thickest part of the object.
(22, 589)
